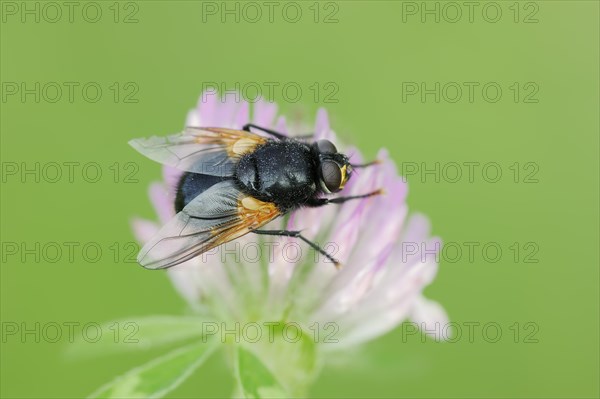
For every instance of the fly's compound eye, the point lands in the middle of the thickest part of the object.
(326, 147)
(331, 176)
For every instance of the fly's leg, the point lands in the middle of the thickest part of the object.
(273, 133)
(296, 234)
(316, 202)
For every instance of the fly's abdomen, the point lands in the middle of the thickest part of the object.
(191, 185)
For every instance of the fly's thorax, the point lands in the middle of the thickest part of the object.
(282, 172)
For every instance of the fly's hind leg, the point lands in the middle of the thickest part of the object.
(296, 234)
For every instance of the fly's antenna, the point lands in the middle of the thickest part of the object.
(350, 166)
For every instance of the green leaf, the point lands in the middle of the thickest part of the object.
(277, 365)
(158, 377)
(135, 334)
(255, 380)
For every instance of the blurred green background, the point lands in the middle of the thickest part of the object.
(373, 52)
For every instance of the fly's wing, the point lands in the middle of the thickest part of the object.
(209, 151)
(218, 215)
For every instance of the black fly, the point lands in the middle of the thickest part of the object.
(236, 181)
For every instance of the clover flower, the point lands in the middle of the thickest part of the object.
(258, 283)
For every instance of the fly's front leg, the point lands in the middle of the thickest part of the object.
(273, 133)
(316, 202)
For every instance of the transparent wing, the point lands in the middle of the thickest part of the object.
(218, 215)
(209, 151)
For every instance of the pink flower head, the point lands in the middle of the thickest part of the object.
(388, 257)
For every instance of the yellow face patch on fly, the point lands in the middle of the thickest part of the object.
(345, 176)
